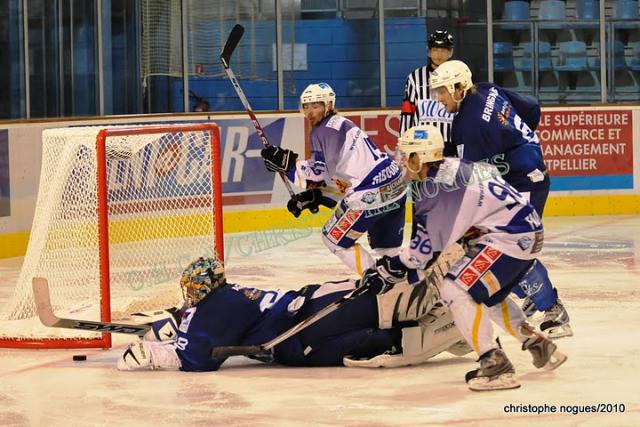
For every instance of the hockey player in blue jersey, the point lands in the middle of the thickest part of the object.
(218, 313)
(496, 125)
(344, 161)
(457, 195)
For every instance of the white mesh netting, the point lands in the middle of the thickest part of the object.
(160, 195)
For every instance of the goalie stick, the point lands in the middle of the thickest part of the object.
(234, 38)
(254, 350)
(48, 318)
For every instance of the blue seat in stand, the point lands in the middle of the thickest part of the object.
(626, 9)
(502, 57)
(619, 63)
(515, 11)
(552, 14)
(587, 10)
(573, 56)
(544, 57)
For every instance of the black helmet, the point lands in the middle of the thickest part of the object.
(440, 38)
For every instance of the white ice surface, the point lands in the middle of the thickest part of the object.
(594, 262)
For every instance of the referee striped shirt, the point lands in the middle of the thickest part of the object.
(420, 107)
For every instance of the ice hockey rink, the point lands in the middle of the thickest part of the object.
(594, 261)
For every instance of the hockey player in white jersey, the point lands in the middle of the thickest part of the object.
(346, 162)
(458, 196)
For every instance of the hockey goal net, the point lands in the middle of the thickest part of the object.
(121, 211)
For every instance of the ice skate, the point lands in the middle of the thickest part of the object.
(495, 373)
(556, 322)
(545, 353)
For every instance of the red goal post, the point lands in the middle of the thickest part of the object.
(116, 219)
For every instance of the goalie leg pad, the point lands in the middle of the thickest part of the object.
(435, 333)
(147, 356)
(405, 303)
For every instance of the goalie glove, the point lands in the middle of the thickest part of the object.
(278, 159)
(146, 356)
(309, 199)
(384, 275)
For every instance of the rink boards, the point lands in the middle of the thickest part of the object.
(591, 153)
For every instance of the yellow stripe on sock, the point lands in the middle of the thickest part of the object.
(358, 261)
(505, 318)
(476, 327)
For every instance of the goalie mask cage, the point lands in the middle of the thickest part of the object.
(121, 211)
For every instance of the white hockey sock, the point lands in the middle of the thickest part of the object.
(472, 319)
(509, 316)
(356, 257)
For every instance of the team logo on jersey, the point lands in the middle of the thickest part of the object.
(353, 215)
(369, 197)
(335, 234)
(530, 288)
(481, 264)
(524, 243)
(468, 277)
(252, 294)
(344, 223)
(491, 253)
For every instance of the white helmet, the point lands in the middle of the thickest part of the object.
(449, 74)
(318, 92)
(425, 140)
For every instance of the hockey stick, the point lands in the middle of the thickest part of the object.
(253, 350)
(48, 318)
(225, 57)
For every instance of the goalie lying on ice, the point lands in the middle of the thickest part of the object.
(417, 326)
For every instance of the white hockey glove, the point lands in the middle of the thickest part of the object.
(384, 275)
(147, 356)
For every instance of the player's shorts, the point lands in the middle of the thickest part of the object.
(385, 225)
(488, 274)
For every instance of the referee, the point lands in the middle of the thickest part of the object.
(419, 106)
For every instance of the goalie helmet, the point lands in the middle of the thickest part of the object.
(200, 278)
(318, 92)
(426, 141)
(449, 74)
(440, 38)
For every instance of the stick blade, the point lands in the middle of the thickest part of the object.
(234, 38)
(42, 299)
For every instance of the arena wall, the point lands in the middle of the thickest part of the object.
(592, 154)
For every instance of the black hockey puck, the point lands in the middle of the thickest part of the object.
(79, 357)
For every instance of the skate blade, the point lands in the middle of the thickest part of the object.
(556, 359)
(501, 382)
(559, 332)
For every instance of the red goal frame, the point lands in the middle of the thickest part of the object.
(103, 226)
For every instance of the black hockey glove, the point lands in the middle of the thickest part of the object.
(278, 159)
(384, 275)
(309, 199)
